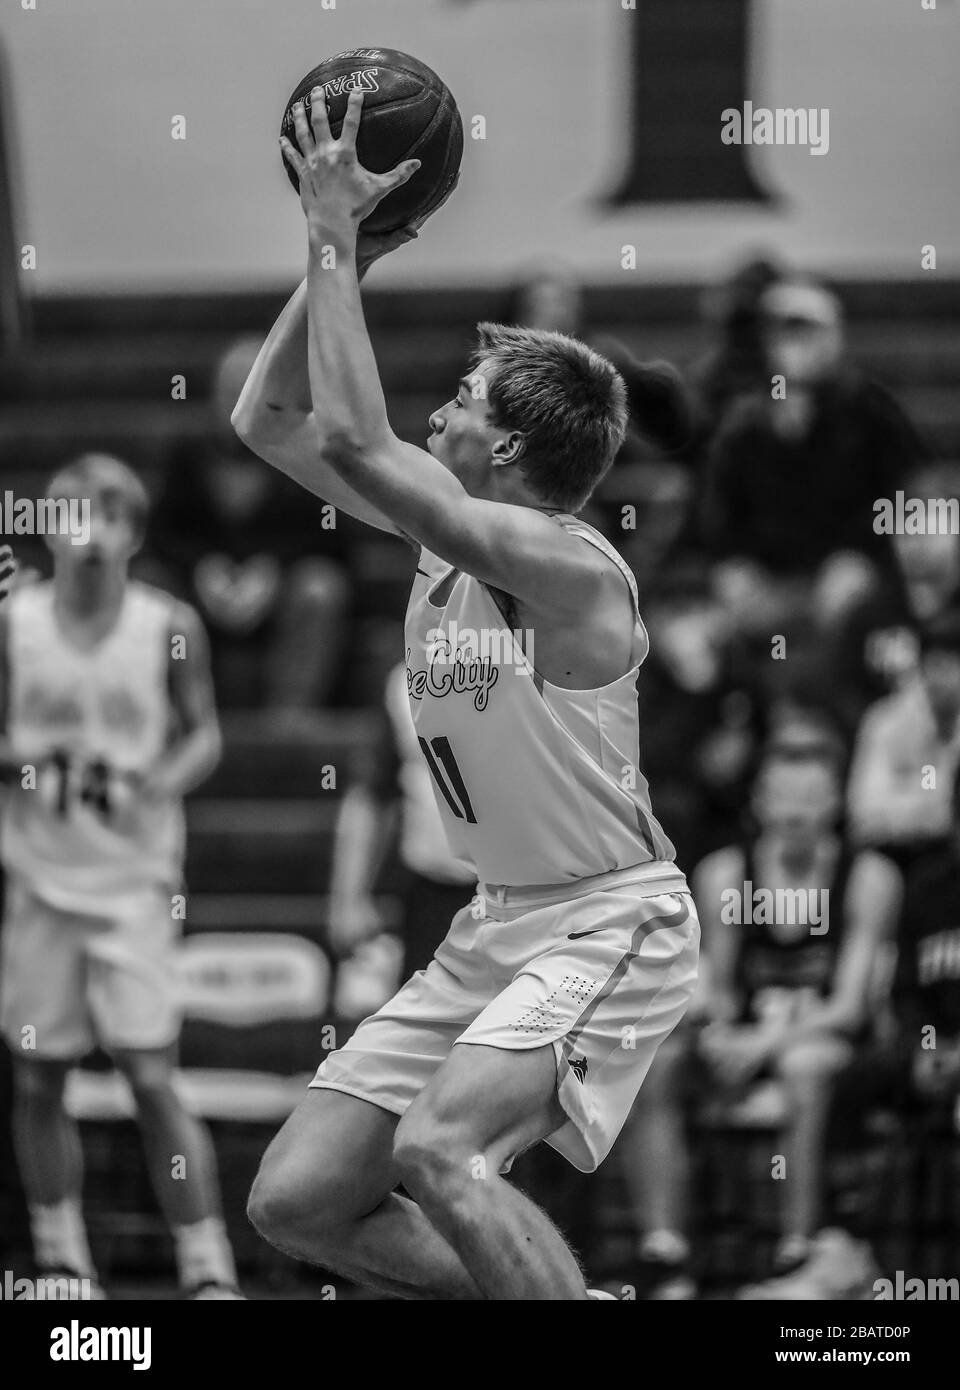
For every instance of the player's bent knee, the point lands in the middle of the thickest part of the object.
(430, 1154)
(291, 1197)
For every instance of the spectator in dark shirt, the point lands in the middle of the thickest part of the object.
(795, 469)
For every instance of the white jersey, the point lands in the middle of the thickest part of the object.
(423, 843)
(81, 839)
(535, 784)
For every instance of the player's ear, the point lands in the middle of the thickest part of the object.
(509, 449)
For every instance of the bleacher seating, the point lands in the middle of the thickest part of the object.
(98, 369)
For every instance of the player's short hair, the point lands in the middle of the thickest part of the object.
(568, 401)
(104, 473)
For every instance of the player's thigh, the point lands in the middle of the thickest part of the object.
(483, 1100)
(331, 1161)
(43, 1000)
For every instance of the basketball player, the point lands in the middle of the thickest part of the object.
(794, 922)
(106, 720)
(541, 1010)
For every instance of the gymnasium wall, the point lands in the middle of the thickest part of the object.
(551, 79)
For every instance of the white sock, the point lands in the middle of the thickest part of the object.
(60, 1237)
(203, 1253)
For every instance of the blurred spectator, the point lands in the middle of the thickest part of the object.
(235, 539)
(735, 362)
(792, 919)
(795, 469)
(913, 1071)
(700, 725)
(552, 299)
(907, 752)
(876, 649)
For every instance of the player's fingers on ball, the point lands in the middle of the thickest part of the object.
(318, 116)
(304, 138)
(291, 154)
(402, 172)
(351, 121)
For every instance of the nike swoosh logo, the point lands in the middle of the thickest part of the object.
(575, 935)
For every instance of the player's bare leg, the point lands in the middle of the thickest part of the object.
(182, 1166)
(324, 1194)
(484, 1106)
(51, 1164)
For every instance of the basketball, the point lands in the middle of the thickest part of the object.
(408, 113)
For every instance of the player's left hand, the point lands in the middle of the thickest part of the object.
(336, 191)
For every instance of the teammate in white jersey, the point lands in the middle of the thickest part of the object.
(541, 1011)
(106, 720)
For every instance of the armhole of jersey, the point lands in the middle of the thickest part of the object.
(576, 527)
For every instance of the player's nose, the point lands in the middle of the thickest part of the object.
(437, 421)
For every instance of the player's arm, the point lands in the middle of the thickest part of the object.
(12, 760)
(197, 748)
(514, 548)
(274, 415)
